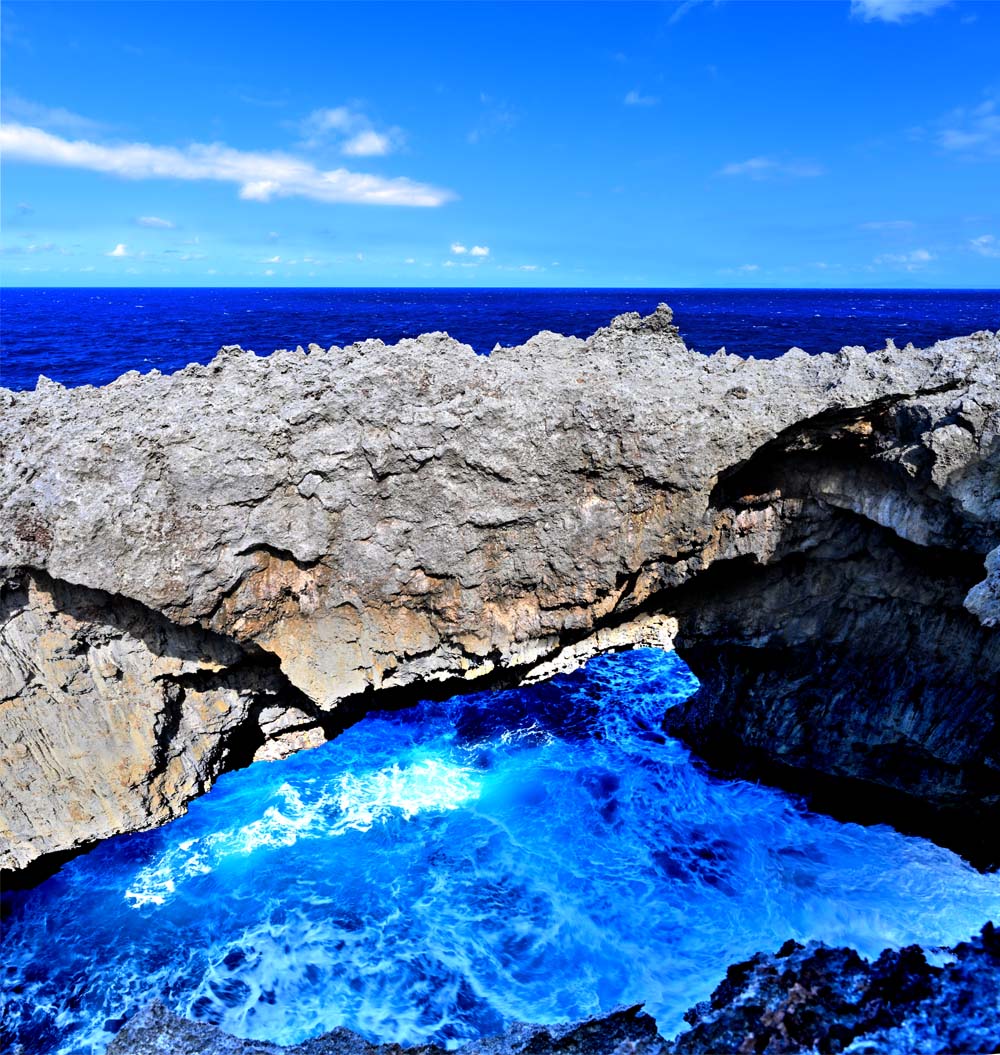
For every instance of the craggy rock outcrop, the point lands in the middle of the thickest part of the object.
(252, 551)
(626, 1031)
(801, 999)
(814, 998)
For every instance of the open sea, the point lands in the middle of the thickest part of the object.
(91, 336)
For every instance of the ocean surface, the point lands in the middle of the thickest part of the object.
(539, 854)
(91, 336)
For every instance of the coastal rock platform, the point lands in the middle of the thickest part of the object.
(236, 560)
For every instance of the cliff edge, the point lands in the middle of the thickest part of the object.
(233, 561)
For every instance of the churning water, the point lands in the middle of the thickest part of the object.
(435, 873)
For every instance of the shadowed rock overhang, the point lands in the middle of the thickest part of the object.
(235, 560)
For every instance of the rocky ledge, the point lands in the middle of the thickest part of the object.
(233, 561)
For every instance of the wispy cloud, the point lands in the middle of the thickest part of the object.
(682, 9)
(985, 245)
(156, 222)
(21, 250)
(635, 98)
(259, 176)
(743, 269)
(18, 109)
(353, 129)
(911, 261)
(894, 10)
(761, 168)
(496, 116)
(972, 130)
(119, 250)
(887, 225)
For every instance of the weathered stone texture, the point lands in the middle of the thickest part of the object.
(377, 517)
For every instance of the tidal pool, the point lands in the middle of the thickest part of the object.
(435, 873)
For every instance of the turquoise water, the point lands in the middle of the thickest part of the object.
(435, 873)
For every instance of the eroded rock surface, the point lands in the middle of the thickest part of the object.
(259, 545)
(814, 998)
(627, 1031)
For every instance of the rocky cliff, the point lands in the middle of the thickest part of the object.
(234, 560)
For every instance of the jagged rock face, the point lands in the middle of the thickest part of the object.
(626, 1031)
(373, 518)
(112, 717)
(814, 998)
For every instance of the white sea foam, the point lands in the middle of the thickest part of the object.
(351, 802)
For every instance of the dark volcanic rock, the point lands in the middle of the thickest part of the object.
(626, 1031)
(817, 999)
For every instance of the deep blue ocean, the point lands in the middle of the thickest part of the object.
(91, 336)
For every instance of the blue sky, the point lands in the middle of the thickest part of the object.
(730, 143)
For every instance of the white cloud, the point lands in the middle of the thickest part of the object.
(973, 130)
(528, 267)
(259, 176)
(459, 249)
(760, 168)
(155, 221)
(272, 260)
(358, 134)
(634, 98)
(985, 245)
(894, 10)
(911, 261)
(42, 247)
(269, 271)
(359, 256)
(749, 267)
(409, 260)
(119, 250)
(367, 144)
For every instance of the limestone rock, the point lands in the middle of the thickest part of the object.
(309, 530)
